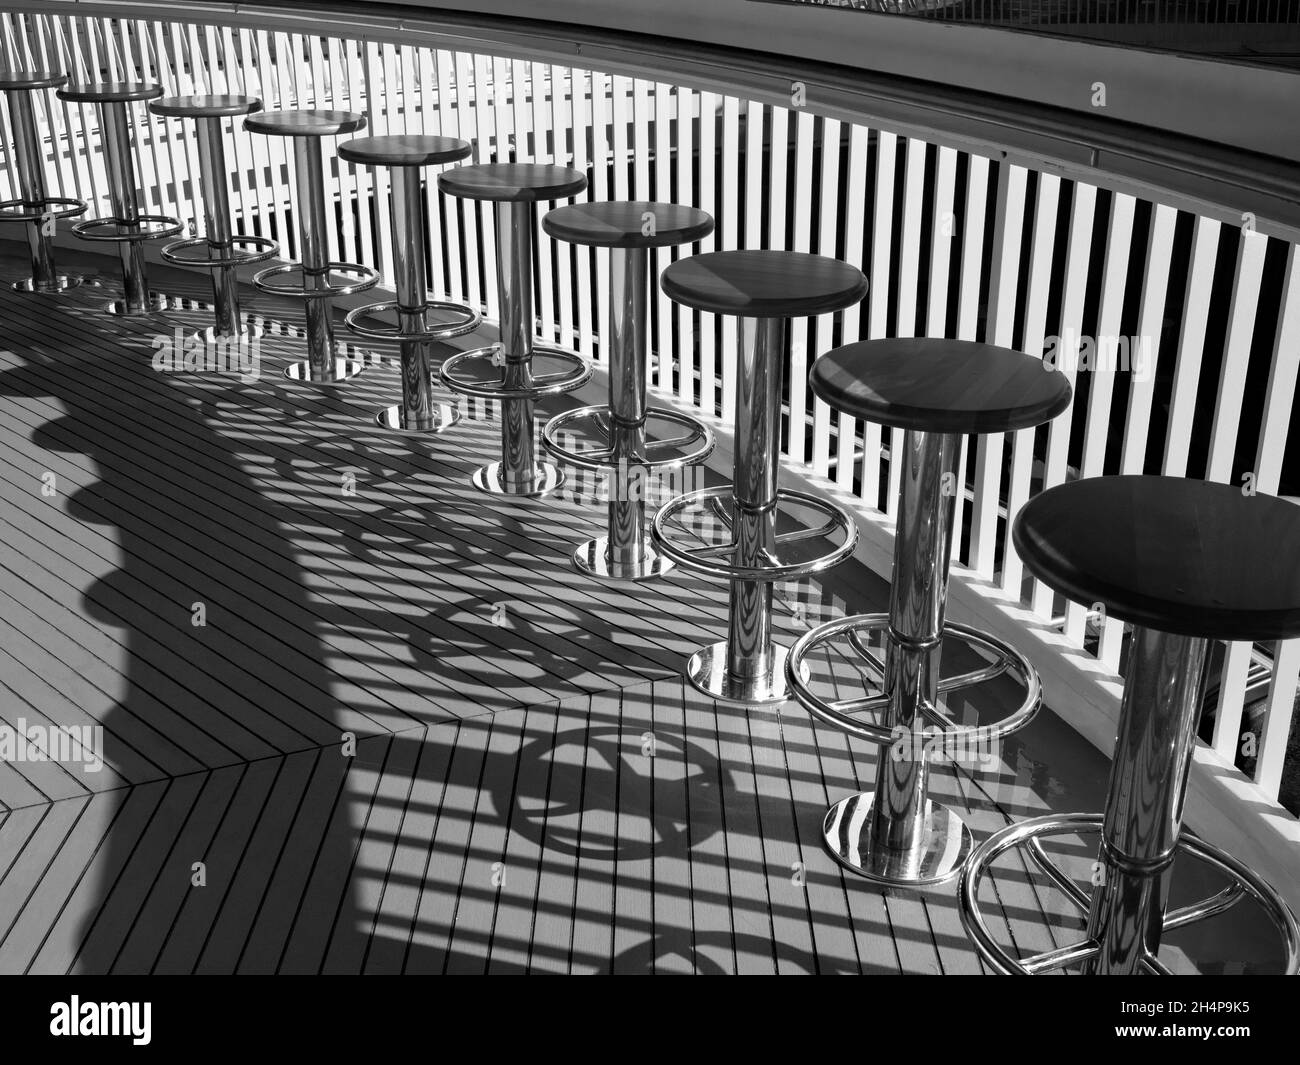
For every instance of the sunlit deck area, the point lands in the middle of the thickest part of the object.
(359, 717)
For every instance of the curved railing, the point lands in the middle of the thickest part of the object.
(1180, 330)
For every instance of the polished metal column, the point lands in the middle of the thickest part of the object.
(1144, 802)
(28, 158)
(322, 361)
(216, 219)
(114, 121)
(629, 552)
(518, 472)
(419, 411)
(906, 838)
(749, 668)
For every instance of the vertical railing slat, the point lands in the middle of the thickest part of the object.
(1191, 345)
(822, 328)
(1047, 201)
(882, 231)
(854, 223)
(1008, 226)
(1078, 254)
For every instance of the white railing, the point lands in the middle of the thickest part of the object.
(953, 243)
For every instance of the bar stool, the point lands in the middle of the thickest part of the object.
(126, 227)
(407, 155)
(220, 251)
(763, 289)
(505, 370)
(34, 205)
(626, 552)
(1185, 562)
(314, 279)
(936, 391)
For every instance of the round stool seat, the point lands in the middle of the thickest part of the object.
(305, 123)
(764, 284)
(205, 106)
(1193, 558)
(512, 182)
(623, 224)
(405, 150)
(31, 79)
(107, 92)
(939, 386)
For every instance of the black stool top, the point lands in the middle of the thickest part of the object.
(940, 386)
(31, 79)
(404, 149)
(108, 92)
(623, 224)
(1193, 558)
(512, 182)
(764, 284)
(205, 106)
(305, 123)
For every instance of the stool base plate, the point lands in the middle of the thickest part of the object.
(547, 477)
(153, 304)
(61, 283)
(341, 370)
(707, 672)
(395, 418)
(846, 832)
(592, 558)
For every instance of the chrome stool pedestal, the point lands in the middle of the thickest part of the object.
(220, 250)
(315, 280)
(763, 289)
(936, 391)
(1185, 562)
(630, 230)
(34, 206)
(126, 227)
(505, 370)
(419, 410)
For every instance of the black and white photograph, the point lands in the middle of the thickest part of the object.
(650, 487)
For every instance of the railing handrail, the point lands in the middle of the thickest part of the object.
(1226, 145)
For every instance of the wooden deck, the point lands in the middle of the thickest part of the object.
(532, 787)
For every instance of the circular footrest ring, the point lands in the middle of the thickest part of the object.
(266, 249)
(70, 209)
(552, 384)
(702, 560)
(838, 713)
(471, 321)
(604, 459)
(1027, 834)
(164, 226)
(368, 279)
